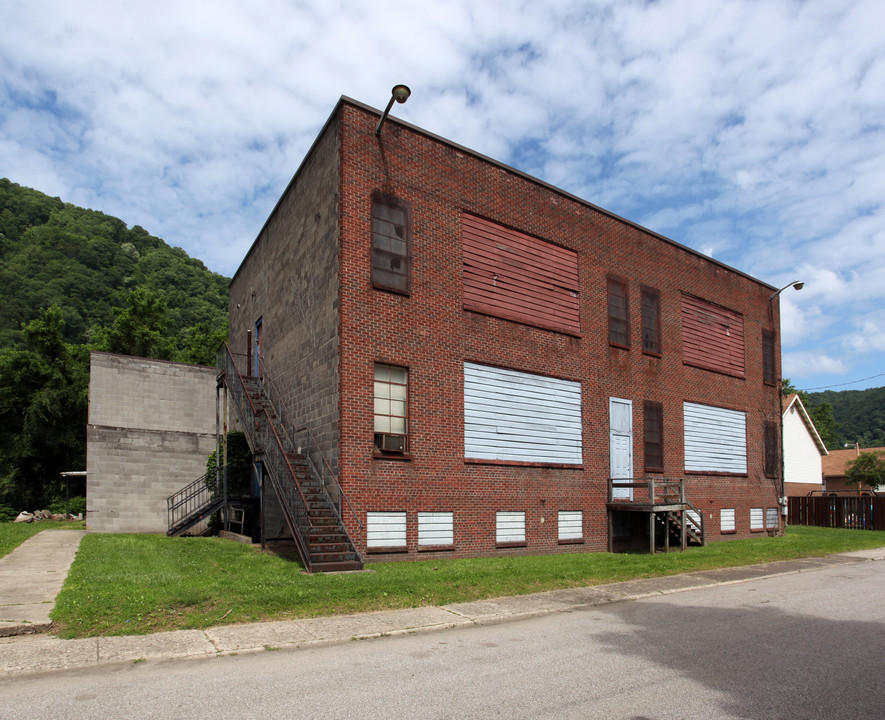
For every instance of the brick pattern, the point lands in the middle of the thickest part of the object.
(151, 427)
(430, 333)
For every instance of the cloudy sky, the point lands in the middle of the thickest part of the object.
(751, 131)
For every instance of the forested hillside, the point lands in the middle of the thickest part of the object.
(86, 263)
(72, 280)
(859, 414)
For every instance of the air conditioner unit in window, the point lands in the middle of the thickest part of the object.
(391, 443)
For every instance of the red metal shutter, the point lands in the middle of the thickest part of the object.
(712, 337)
(518, 277)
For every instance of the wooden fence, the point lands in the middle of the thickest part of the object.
(856, 513)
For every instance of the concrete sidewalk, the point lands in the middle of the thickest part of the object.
(31, 576)
(30, 654)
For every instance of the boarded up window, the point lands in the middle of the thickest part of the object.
(386, 529)
(510, 527)
(654, 436)
(571, 525)
(651, 320)
(390, 245)
(771, 521)
(712, 337)
(726, 520)
(715, 439)
(516, 416)
(757, 519)
(618, 312)
(436, 528)
(518, 277)
(768, 373)
(771, 450)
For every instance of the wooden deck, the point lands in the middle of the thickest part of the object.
(663, 500)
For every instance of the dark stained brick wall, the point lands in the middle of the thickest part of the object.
(326, 356)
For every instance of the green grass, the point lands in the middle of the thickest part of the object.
(133, 584)
(14, 534)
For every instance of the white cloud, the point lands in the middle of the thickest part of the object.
(750, 131)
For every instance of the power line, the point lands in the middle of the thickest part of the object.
(852, 382)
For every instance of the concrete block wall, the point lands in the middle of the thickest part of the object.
(290, 280)
(151, 427)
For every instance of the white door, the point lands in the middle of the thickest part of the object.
(620, 414)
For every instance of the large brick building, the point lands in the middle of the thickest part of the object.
(477, 353)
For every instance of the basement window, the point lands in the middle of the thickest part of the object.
(726, 521)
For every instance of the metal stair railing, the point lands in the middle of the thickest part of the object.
(324, 474)
(263, 438)
(190, 501)
(694, 522)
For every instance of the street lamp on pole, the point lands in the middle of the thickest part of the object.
(798, 285)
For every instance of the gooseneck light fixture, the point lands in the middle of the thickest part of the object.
(400, 93)
(798, 284)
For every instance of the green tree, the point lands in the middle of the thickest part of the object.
(867, 469)
(821, 415)
(43, 400)
(139, 328)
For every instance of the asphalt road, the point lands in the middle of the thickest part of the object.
(810, 645)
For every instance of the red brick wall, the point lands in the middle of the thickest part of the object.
(430, 333)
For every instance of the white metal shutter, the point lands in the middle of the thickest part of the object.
(771, 520)
(518, 416)
(436, 528)
(757, 519)
(509, 527)
(385, 529)
(571, 525)
(726, 520)
(715, 439)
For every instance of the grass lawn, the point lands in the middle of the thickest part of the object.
(14, 534)
(134, 584)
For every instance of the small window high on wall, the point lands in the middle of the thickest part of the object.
(390, 245)
(651, 321)
(618, 312)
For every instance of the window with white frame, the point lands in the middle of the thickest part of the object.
(757, 519)
(391, 408)
(771, 519)
(436, 528)
(509, 527)
(385, 529)
(571, 525)
(726, 520)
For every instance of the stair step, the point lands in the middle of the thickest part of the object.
(339, 566)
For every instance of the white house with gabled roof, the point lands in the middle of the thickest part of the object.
(803, 450)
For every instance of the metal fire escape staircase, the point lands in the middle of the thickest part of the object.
(672, 520)
(311, 517)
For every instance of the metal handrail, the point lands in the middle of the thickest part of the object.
(285, 423)
(191, 499)
(322, 477)
(273, 451)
